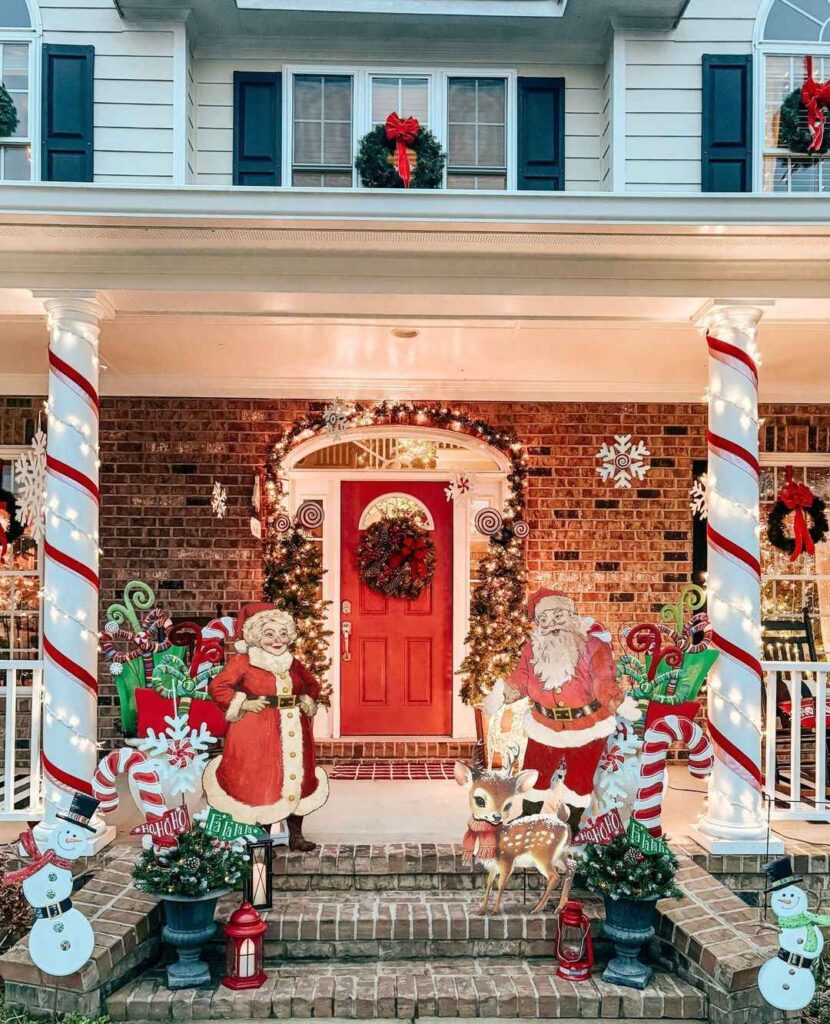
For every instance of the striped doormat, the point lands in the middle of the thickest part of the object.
(359, 771)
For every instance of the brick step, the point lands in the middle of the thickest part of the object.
(337, 751)
(413, 989)
(410, 867)
(404, 926)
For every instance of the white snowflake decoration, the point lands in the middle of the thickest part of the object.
(30, 475)
(219, 500)
(336, 417)
(460, 488)
(179, 754)
(623, 461)
(699, 497)
(617, 777)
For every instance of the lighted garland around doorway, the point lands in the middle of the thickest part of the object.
(498, 620)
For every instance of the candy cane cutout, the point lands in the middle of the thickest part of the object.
(135, 764)
(648, 807)
(210, 649)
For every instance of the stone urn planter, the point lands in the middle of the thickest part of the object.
(629, 924)
(188, 926)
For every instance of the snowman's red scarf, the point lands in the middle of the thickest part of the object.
(27, 841)
(487, 835)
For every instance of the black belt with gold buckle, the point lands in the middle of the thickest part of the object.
(53, 909)
(568, 714)
(282, 702)
(794, 959)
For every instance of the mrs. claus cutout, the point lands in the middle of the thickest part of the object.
(267, 772)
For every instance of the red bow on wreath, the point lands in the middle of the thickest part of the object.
(412, 551)
(798, 497)
(815, 95)
(403, 134)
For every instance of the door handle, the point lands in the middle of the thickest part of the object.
(346, 630)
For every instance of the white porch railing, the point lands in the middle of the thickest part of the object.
(795, 739)
(21, 703)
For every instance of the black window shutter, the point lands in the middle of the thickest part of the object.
(67, 134)
(257, 117)
(726, 143)
(541, 134)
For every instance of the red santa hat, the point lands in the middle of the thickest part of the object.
(545, 600)
(247, 613)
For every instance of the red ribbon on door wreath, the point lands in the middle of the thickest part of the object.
(403, 132)
(798, 497)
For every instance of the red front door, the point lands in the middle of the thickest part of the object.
(399, 680)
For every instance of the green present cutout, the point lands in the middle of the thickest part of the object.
(131, 677)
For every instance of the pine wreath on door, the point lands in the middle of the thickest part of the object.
(398, 679)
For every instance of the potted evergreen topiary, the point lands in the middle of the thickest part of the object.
(190, 878)
(631, 883)
(8, 113)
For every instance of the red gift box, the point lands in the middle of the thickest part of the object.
(152, 709)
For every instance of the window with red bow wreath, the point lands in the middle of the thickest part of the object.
(803, 116)
(400, 154)
(809, 524)
(396, 557)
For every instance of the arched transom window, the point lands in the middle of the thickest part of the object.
(794, 46)
(16, 67)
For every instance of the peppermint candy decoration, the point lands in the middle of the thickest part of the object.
(282, 522)
(521, 529)
(310, 515)
(488, 522)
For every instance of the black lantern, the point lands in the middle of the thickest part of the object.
(259, 884)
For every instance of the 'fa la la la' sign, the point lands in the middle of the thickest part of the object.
(223, 826)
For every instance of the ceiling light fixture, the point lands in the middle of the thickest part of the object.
(405, 332)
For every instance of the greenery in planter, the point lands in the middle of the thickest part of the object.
(15, 912)
(198, 865)
(375, 170)
(8, 113)
(608, 873)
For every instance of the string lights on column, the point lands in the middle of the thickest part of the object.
(733, 579)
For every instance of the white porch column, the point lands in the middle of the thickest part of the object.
(735, 819)
(70, 562)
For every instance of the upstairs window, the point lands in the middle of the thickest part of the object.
(792, 31)
(322, 131)
(477, 133)
(15, 33)
(406, 95)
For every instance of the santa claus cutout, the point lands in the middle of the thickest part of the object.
(267, 772)
(567, 671)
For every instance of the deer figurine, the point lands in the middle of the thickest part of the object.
(502, 841)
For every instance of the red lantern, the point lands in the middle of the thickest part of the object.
(574, 949)
(243, 934)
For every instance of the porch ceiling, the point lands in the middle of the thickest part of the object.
(587, 298)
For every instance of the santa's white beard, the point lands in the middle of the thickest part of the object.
(555, 656)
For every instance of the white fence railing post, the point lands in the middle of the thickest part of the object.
(795, 758)
(21, 794)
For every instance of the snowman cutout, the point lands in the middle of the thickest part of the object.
(787, 981)
(61, 938)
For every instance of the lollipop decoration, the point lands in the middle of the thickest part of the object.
(282, 522)
(521, 529)
(488, 522)
(309, 515)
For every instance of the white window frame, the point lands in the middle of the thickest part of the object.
(799, 461)
(437, 107)
(9, 453)
(33, 37)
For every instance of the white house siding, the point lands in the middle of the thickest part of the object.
(606, 122)
(214, 78)
(663, 92)
(191, 118)
(133, 88)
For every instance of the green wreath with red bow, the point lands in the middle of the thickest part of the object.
(400, 154)
(396, 557)
(809, 523)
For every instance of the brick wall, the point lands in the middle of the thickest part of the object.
(621, 553)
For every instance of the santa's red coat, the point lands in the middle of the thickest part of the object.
(594, 680)
(267, 769)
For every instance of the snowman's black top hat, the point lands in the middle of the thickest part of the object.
(780, 874)
(81, 810)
